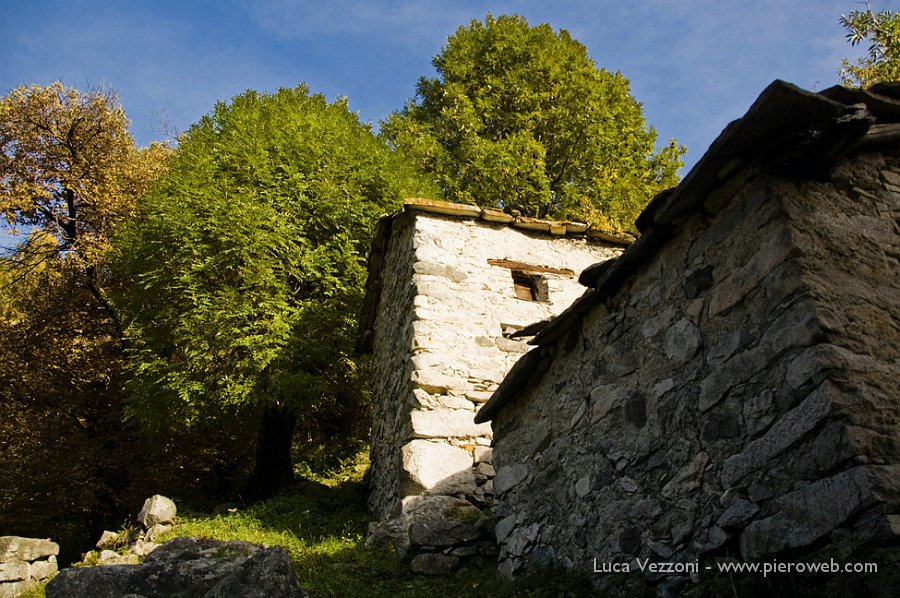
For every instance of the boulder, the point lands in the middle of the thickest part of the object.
(188, 567)
(157, 509)
(433, 564)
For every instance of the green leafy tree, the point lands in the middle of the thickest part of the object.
(521, 118)
(882, 61)
(247, 273)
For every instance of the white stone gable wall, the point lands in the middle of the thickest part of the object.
(425, 439)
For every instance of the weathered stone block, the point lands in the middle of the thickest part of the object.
(107, 539)
(808, 514)
(433, 564)
(421, 399)
(26, 549)
(443, 270)
(688, 478)
(441, 534)
(41, 570)
(682, 341)
(188, 567)
(484, 454)
(785, 432)
(156, 531)
(434, 382)
(772, 251)
(437, 467)
(14, 571)
(508, 477)
(738, 514)
(447, 423)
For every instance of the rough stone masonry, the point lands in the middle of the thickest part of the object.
(449, 286)
(728, 386)
(25, 562)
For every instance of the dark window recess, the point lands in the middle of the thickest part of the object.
(530, 287)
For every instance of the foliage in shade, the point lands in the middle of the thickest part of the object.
(70, 174)
(246, 261)
(882, 61)
(521, 118)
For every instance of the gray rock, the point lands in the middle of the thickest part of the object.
(508, 477)
(682, 341)
(688, 478)
(521, 539)
(785, 432)
(41, 570)
(187, 567)
(484, 454)
(26, 549)
(836, 499)
(107, 539)
(266, 574)
(156, 531)
(441, 533)
(774, 249)
(111, 557)
(504, 527)
(435, 509)
(738, 514)
(444, 423)
(437, 467)
(14, 571)
(433, 564)
(583, 486)
(157, 509)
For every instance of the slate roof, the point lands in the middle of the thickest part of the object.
(787, 131)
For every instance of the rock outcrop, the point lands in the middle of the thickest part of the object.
(191, 568)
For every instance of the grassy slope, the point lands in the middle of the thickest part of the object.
(323, 528)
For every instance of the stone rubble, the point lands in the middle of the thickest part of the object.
(25, 562)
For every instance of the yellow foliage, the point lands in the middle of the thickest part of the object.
(69, 167)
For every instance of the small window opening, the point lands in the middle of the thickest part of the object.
(530, 287)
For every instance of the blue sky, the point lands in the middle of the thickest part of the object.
(695, 65)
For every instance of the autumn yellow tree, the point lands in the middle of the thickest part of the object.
(70, 169)
(70, 174)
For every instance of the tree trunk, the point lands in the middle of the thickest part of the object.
(273, 469)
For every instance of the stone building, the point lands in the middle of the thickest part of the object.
(728, 385)
(450, 289)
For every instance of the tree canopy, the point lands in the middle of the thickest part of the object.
(882, 61)
(68, 165)
(246, 261)
(520, 118)
(70, 173)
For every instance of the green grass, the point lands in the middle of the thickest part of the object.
(323, 524)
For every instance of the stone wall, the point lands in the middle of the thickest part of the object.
(736, 394)
(442, 337)
(25, 562)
